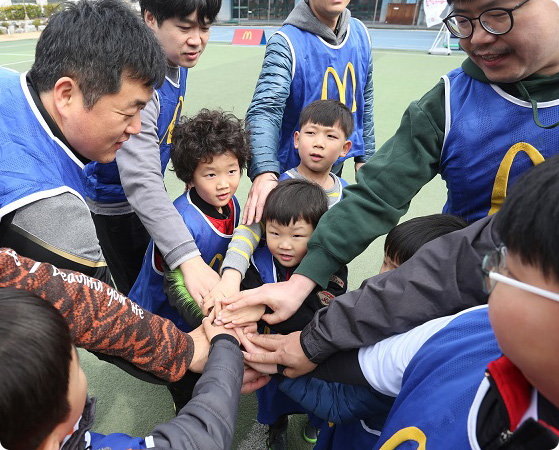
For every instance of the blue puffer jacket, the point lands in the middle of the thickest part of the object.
(264, 115)
(339, 403)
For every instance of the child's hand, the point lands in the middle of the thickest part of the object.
(253, 349)
(213, 330)
(229, 284)
(241, 317)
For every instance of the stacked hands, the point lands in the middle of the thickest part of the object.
(236, 313)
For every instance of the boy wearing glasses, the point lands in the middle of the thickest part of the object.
(480, 127)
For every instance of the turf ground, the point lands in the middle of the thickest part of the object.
(225, 77)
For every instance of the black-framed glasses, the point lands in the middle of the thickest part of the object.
(495, 262)
(494, 21)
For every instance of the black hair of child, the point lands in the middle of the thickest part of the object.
(207, 134)
(328, 113)
(406, 238)
(96, 43)
(36, 353)
(293, 200)
(207, 10)
(528, 222)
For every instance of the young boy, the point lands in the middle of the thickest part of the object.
(43, 400)
(209, 151)
(127, 197)
(485, 378)
(291, 213)
(325, 127)
(316, 395)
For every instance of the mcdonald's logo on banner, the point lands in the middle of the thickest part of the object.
(341, 84)
(249, 36)
(502, 178)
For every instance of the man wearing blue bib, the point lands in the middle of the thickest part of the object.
(320, 52)
(80, 102)
(127, 198)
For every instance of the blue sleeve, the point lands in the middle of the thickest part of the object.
(339, 403)
(368, 122)
(116, 441)
(265, 113)
(284, 176)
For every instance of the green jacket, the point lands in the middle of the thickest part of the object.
(392, 177)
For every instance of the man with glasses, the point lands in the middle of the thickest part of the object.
(488, 377)
(480, 127)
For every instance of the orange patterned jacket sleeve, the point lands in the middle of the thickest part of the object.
(100, 318)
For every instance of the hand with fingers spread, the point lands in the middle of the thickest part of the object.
(283, 298)
(285, 350)
(228, 285)
(261, 187)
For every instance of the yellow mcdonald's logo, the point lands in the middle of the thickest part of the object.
(406, 434)
(342, 85)
(169, 132)
(217, 260)
(502, 178)
(247, 35)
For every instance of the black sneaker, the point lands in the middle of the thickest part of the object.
(277, 434)
(310, 433)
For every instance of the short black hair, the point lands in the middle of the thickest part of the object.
(36, 352)
(408, 237)
(328, 113)
(207, 134)
(293, 200)
(97, 43)
(165, 9)
(528, 221)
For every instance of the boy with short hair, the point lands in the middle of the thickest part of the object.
(291, 213)
(325, 127)
(127, 197)
(209, 152)
(44, 403)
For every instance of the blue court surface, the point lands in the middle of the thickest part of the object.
(381, 38)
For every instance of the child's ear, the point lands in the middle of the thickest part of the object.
(345, 149)
(296, 140)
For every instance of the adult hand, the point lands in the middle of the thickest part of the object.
(285, 350)
(283, 298)
(358, 166)
(199, 278)
(212, 330)
(230, 284)
(253, 380)
(201, 350)
(261, 187)
(253, 349)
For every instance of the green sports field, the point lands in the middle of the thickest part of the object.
(225, 78)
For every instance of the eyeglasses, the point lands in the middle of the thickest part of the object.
(495, 21)
(494, 262)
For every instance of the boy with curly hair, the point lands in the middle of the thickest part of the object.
(209, 152)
